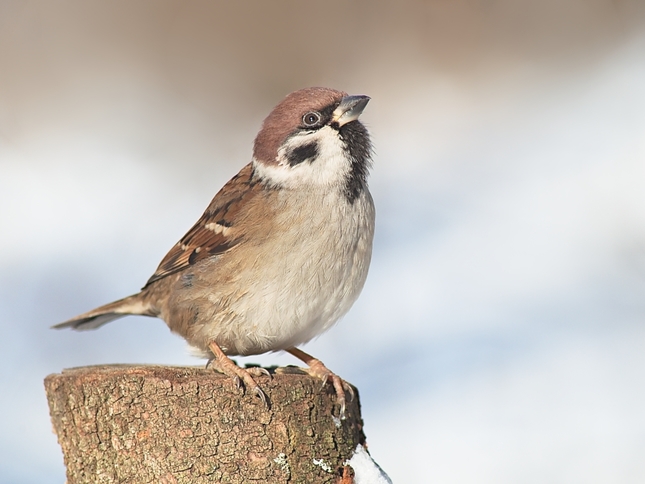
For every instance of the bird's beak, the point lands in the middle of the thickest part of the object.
(349, 109)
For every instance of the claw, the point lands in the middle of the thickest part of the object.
(340, 393)
(319, 370)
(258, 391)
(258, 371)
(349, 390)
(241, 376)
(325, 379)
(238, 382)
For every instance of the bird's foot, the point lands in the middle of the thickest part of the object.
(318, 370)
(243, 377)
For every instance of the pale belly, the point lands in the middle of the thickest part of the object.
(285, 293)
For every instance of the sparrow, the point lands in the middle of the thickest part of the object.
(282, 251)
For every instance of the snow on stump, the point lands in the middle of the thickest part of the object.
(156, 424)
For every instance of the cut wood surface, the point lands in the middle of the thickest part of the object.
(156, 424)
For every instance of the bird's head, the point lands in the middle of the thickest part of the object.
(313, 139)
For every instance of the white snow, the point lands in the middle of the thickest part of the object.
(366, 471)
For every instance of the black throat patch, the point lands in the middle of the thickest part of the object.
(359, 147)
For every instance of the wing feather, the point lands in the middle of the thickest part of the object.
(215, 232)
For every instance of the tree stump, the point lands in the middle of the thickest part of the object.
(154, 424)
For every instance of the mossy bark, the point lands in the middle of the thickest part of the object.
(153, 424)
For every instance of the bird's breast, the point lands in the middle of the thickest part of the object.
(296, 281)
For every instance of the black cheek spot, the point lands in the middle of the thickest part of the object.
(302, 153)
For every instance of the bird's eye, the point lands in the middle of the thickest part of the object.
(311, 119)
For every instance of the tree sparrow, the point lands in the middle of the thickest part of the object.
(281, 252)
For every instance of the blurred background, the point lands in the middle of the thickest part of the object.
(500, 337)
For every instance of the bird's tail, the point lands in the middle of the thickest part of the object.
(109, 312)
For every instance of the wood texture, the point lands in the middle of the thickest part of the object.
(153, 424)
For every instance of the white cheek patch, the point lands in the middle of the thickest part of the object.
(324, 162)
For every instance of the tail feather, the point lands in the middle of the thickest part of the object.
(104, 314)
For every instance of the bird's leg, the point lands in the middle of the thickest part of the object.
(225, 365)
(319, 370)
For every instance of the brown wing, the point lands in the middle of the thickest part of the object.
(215, 231)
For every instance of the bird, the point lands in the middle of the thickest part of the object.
(282, 251)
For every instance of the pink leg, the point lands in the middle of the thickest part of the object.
(227, 366)
(319, 370)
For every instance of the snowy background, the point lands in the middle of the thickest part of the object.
(500, 337)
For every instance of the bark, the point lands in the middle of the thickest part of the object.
(153, 424)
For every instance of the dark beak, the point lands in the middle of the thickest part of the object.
(349, 109)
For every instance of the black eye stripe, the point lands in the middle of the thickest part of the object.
(302, 153)
(326, 113)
